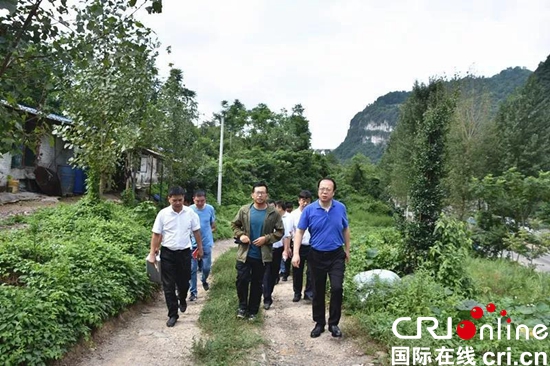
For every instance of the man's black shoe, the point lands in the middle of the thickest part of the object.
(308, 298)
(285, 278)
(171, 321)
(296, 298)
(335, 330)
(316, 332)
(241, 314)
(183, 306)
(267, 305)
(205, 286)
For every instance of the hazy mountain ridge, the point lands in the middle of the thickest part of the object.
(370, 129)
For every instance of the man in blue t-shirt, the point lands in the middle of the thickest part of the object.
(327, 222)
(207, 217)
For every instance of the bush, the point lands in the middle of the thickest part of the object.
(446, 256)
(71, 269)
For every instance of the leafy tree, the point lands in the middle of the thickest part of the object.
(27, 65)
(34, 52)
(510, 200)
(261, 145)
(426, 115)
(109, 89)
(363, 176)
(175, 129)
(523, 129)
(298, 126)
(469, 141)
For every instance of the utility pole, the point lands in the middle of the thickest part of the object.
(220, 165)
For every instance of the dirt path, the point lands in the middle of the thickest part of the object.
(23, 203)
(141, 337)
(287, 326)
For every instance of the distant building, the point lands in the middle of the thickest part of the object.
(322, 151)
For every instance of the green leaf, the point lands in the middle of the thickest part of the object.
(10, 5)
(157, 6)
(525, 309)
(372, 252)
(543, 307)
(467, 305)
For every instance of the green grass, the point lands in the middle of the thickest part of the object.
(229, 339)
(13, 220)
(371, 219)
(502, 278)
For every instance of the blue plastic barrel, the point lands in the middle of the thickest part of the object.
(66, 177)
(79, 181)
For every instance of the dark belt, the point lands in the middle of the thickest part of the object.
(175, 250)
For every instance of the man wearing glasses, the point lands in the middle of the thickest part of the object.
(327, 222)
(304, 199)
(255, 227)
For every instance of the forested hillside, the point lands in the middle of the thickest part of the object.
(370, 129)
(512, 142)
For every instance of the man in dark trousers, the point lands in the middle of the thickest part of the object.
(256, 227)
(287, 253)
(172, 228)
(304, 199)
(271, 275)
(327, 222)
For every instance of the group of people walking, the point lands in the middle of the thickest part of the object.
(185, 232)
(315, 236)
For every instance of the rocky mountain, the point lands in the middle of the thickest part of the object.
(370, 129)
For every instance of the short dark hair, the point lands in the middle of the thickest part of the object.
(199, 193)
(280, 204)
(327, 178)
(289, 205)
(176, 191)
(304, 193)
(260, 184)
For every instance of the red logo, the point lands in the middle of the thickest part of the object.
(466, 329)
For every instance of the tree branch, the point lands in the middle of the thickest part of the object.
(17, 39)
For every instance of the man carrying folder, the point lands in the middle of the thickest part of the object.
(172, 228)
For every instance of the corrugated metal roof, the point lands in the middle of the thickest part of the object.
(36, 112)
(154, 153)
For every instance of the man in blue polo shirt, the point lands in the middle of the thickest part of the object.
(327, 222)
(207, 216)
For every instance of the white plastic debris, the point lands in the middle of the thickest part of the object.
(366, 281)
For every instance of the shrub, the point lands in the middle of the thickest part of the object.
(71, 269)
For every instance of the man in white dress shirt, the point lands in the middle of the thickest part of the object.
(172, 228)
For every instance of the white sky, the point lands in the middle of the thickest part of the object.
(337, 56)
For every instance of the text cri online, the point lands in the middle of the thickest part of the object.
(423, 356)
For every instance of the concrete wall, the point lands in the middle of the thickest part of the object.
(5, 170)
(51, 155)
(48, 155)
(148, 164)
